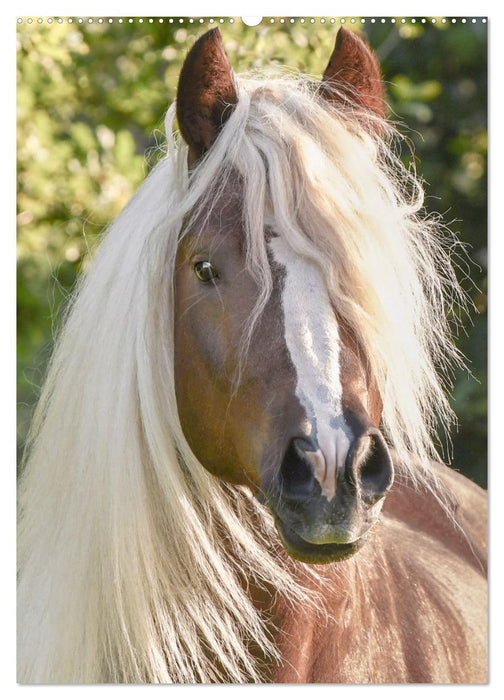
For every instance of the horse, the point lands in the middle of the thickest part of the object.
(231, 473)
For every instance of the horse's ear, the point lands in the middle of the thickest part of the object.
(206, 93)
(353, 75)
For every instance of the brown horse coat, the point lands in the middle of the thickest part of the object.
(410, 607)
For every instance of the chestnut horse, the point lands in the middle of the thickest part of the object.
(230, 475)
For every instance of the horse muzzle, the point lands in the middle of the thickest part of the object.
(317, 523)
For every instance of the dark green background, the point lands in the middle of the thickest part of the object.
(91, 99)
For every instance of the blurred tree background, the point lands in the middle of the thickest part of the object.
(91, 99)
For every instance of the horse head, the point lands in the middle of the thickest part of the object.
(293, 411)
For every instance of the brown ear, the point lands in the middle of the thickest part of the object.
(206, 93)
(354, 73)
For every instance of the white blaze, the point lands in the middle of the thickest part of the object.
(313, 342)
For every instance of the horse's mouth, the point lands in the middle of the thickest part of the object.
(305, 551)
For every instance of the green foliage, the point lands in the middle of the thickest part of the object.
(91, 100)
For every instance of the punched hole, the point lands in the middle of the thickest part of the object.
(251, 21)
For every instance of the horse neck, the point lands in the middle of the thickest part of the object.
(338, 594)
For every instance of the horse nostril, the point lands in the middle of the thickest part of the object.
(372, 466)
(296, 472)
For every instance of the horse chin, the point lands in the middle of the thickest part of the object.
(311, 553)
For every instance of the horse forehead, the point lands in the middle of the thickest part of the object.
(311, 325)
(222, 211)
(304, 287)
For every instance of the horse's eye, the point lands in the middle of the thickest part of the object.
(205, 271)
